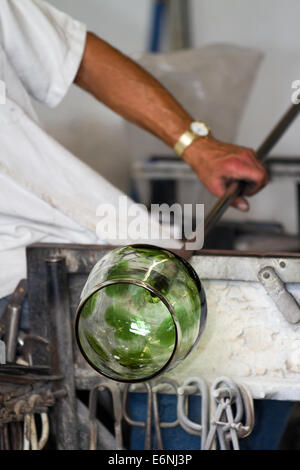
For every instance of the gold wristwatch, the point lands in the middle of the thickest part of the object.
(197, 129)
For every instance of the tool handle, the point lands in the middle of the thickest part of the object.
(237, 187)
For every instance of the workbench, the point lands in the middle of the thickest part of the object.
(252, 333)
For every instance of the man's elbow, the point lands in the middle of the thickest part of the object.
(81, 76)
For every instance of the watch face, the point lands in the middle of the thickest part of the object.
(200, 128)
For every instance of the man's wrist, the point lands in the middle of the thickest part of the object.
(198, 149)
(196, 130)
(184, 141)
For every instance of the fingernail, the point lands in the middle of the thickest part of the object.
(243, 206)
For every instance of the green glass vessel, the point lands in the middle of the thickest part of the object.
(142, 311)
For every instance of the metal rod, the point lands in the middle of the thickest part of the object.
(13, 313)
(184, 8)
(65, 417)
(12, 333)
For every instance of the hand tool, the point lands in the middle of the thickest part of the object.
(157, 423)
(152, 406)
(144, 424)
(115, 391)
(227, 424)
(194, 385)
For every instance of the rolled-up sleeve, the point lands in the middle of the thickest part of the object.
(44, 45)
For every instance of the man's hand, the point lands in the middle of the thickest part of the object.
(218, 163)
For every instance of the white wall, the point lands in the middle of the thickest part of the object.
(92, 132)
(273, 27)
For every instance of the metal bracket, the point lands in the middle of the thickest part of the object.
(276, 289)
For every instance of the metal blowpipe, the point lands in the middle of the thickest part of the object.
(237, 188)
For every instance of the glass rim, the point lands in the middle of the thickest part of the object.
(153, 290)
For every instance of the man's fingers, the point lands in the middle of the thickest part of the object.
(256, 180)
(218, 164)
(239, 169)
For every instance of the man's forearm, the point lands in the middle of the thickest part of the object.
(126, 88)
(132, 92)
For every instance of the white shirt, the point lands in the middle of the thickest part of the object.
(47, 194)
